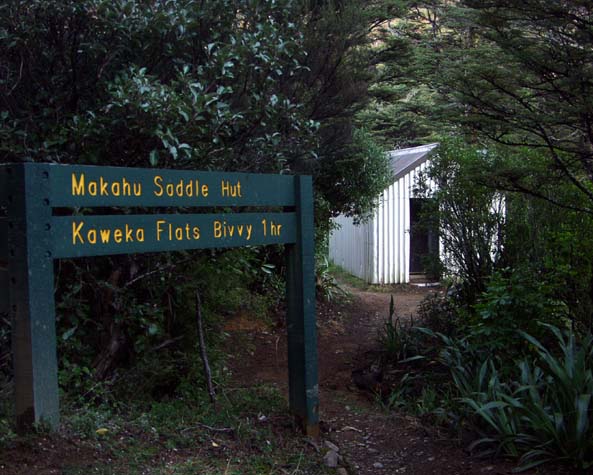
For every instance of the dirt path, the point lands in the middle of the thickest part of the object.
(370, 440)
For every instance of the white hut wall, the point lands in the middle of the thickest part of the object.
(379, 251)
(391, 228)
(350, 247)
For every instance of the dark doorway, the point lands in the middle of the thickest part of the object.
(424, 240)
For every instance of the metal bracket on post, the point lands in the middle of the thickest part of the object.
(302, 331)
(31, 289)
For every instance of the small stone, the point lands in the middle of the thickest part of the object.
(431, 459)
(313, 444)
(373, 451)
(331, 459)
(331, 446)
(377, 465)
(342, 471)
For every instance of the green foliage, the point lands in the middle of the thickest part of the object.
(154, 329)
(513, 300)
(7, 434)
(343, 276)
(470, 365)
(231, 85)
(540, 411)
(468, 213)
(327, 287)
(355, 176)
(163, 84)
(560, 248)
(514, 220)
(397, 339)
(409, 105)
(438, 312)
(538, 95)
(248, 423)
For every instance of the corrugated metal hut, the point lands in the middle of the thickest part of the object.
(390, 247)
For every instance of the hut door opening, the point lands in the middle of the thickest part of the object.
(424, 240)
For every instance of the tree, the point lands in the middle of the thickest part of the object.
(174, 84)
(409, 104)
(469, 214)
(254, 86)
(527, 81)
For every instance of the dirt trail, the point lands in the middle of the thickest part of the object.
(370, 440)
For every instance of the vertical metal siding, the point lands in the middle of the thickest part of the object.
(379, 251)
(349, 247)
(391, 225)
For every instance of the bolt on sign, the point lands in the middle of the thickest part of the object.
(32, 237)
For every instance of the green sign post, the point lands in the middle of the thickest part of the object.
(31, 237)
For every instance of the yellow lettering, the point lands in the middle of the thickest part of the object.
(137, 189)
(76, 232)
(105, 235)
(103, 187)
(115, 188)
(158, 180)
(226, 189)
(91, 236)
(264, 224)
(179, 188)
(93, 188)
(196, 232)
(140, 234)
(126, 188)
(129, 234)
(249, 229)
(159, 229)
(189, 188)
(217, 229)
(77, 186)
(275, 229)
(169, 189)
(117, 235)
(204, 190)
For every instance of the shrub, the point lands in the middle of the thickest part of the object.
(327, 287)
(542, 412)
(514, 300)
(438, 312)
(399, 341)
(470, 215)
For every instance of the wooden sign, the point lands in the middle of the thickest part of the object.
(31, 237)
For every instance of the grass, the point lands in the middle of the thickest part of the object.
(345, 278)
(342, 276)
(249, 432)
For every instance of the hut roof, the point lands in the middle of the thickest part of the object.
(406, 159)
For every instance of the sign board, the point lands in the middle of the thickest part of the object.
(103, 219)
